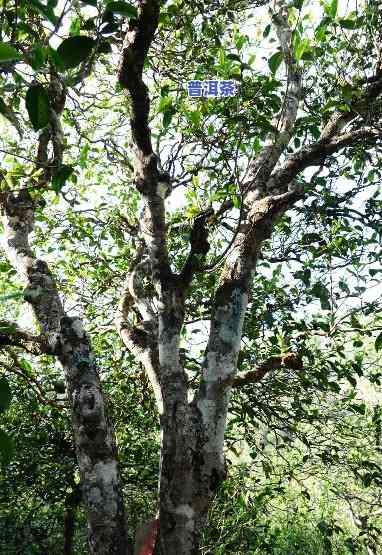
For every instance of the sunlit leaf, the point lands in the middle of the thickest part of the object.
(275, 61)
(61, 176)
(8, 53)
(378, 342)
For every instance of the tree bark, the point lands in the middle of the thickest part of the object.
(192, 432)
(65, 338)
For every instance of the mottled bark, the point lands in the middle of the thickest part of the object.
(64, 337)
(192, 432)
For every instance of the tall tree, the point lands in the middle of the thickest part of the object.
(323, 112)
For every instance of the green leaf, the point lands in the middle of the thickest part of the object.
(275, 61)
(360, 409)
(348, 23)
(74, 50)
(61, 176)
(122, 8)
(334, 386)
(167, 117)
(195, 116)
(90, 2)
(331, 8)
(304, 275)
(321, 292)
(235, 57)
(75, 26)
(378, 342)
(244, 66)
(37, 104)
(164, 103)
(309, 238)
(15, 295)
(267, 30)
(6, 446)
(301, 48)
(8, 53)
(236, 201)
(55, 58)
(37, 58)
(7, 327)
(5, 394)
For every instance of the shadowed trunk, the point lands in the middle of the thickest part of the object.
(69, 522)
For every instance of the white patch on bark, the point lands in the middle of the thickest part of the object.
(168, 348)
(78, 328)
(188, 512)
(104, 480)
(162, 189)
(229, 322)
(108, 471)
(95, 497)
(214, 420)
(185, 510)
(221, 360)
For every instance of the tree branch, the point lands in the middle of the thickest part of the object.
(11, 334)
(141, 342)
(17, 212)
(265, 162)
(93, 432)
(199, 247)
(287, 360)
(154, 186)
(134, 51)
(316, 153)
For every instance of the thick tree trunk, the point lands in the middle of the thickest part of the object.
(95, 443)
(65, 338)
(189, 478)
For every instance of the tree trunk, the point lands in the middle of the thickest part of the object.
(65, 338)
(95, 443)
(189, 478)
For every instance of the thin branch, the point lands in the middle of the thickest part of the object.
(288, 360)
(276, 143)
(32, 382)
